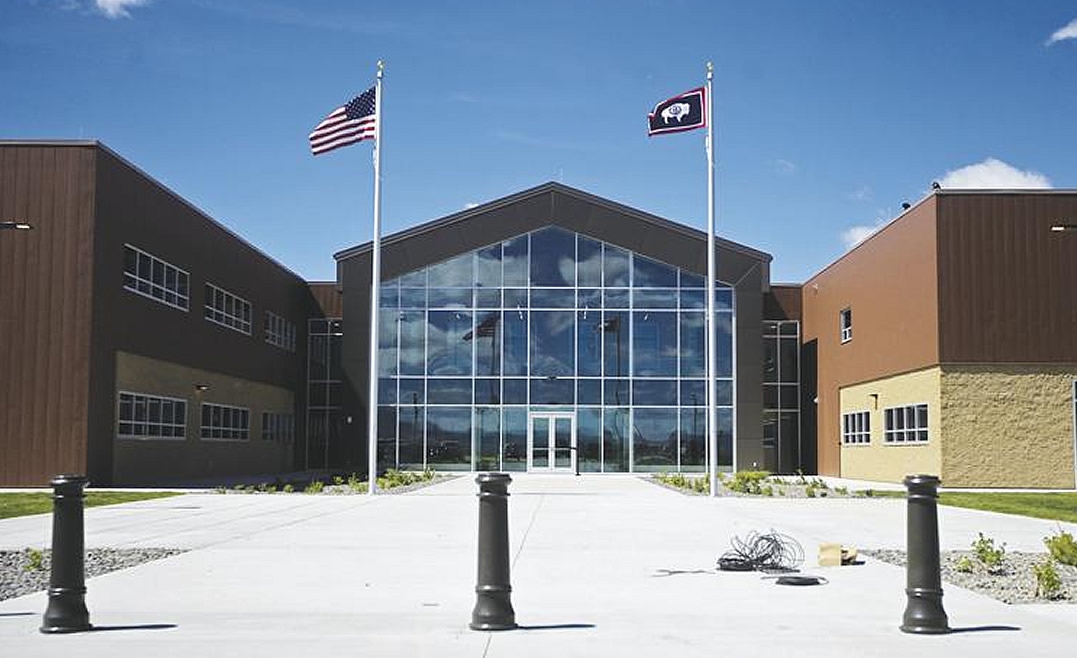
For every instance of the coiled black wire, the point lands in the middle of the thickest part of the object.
(770, 552)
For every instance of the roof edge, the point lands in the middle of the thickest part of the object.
(548, 187)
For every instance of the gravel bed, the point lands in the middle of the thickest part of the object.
(1015, 584)
(17, 577)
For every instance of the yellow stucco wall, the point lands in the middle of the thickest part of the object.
(142, 461)
(891, 462)
(1008, 426)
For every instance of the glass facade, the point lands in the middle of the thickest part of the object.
(474, 350)
(781, 396)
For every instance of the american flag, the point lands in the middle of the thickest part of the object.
(345, 125)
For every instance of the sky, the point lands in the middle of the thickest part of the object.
(828, 114)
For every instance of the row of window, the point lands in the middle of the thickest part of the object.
(905, 424)
(152, 277)
(156, 417)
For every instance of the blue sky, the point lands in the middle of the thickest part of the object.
(829, 114)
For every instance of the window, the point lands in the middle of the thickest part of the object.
(846, 320)
(223, 422)
(228, 310)
(856, 428)
(906, 424)
(151, 277)
(279, 332)
(151, 417)
(278, 427)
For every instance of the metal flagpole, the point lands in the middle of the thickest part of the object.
(375, 289)
(712, 360)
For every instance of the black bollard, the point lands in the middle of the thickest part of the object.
(493, 592)
(66, 612)
(923, 583)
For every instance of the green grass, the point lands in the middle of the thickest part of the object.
(1054, 506)
(24, 504)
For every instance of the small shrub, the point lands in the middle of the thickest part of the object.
(809, 491)
(800, 477)
(35, 560)
(338, 480)
(288, 488)
(868, 493)
(1062, 547)
(270, 488)
(1048, 582)
(964, 564)
(768, 490)
(841, 491)
(989, 555)
(315, 487)
(749, 482)
(356, 484)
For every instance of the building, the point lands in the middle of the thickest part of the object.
(946, 343)
(552, 330)
(141, 342)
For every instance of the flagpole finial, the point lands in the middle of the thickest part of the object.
(381, 67)
(710, 70)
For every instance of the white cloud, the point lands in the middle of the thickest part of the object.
(118, 8)
(862, 193)
(1068, 31)
(785, 167)
(993, 174)
(857, 234)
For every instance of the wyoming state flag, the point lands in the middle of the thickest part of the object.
(687, 111)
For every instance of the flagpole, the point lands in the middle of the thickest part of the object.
(712, 360)
(375, 289)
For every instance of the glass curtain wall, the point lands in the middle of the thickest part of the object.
(324, 381)
(781, 396)
(550, 321)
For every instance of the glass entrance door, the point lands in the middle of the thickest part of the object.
(551, 442)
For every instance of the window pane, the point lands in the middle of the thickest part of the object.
(514, 439)
(589, 344)
(655, 440)
(386, 436)
(488, 267)
(488, 430)
(448, 391)
(654, 344)
(448, 438)
(515, 323)
(412, 343)
(615, 440)
(552, 391)
(447, 351)
(655, 392)
(589, 440)
(453, 273)
(553, 343)
(614, 267)
(693, 439)
(589, 259)
(552, 298)
(514, 260)
(693, 345)
(514, 391)
(589, 391)
(648, 273)
(412, 421)
(553, 258)
(615, 351)
(487, 338)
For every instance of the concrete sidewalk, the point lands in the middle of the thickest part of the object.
(602, 566)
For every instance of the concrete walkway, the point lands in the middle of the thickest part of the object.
(602, 566)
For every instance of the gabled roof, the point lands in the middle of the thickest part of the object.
(553, 189)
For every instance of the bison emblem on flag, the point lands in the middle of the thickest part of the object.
(686, 111)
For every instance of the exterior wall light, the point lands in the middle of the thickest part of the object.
(18, 226)
(1064, 228)
(201, 388)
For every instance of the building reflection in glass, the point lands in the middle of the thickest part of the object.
(550, 321)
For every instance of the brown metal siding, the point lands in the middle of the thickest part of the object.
(134, 209)
(45, 310)
(783, 302)
(889, 282)
(1007, 290)
(328, 297)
